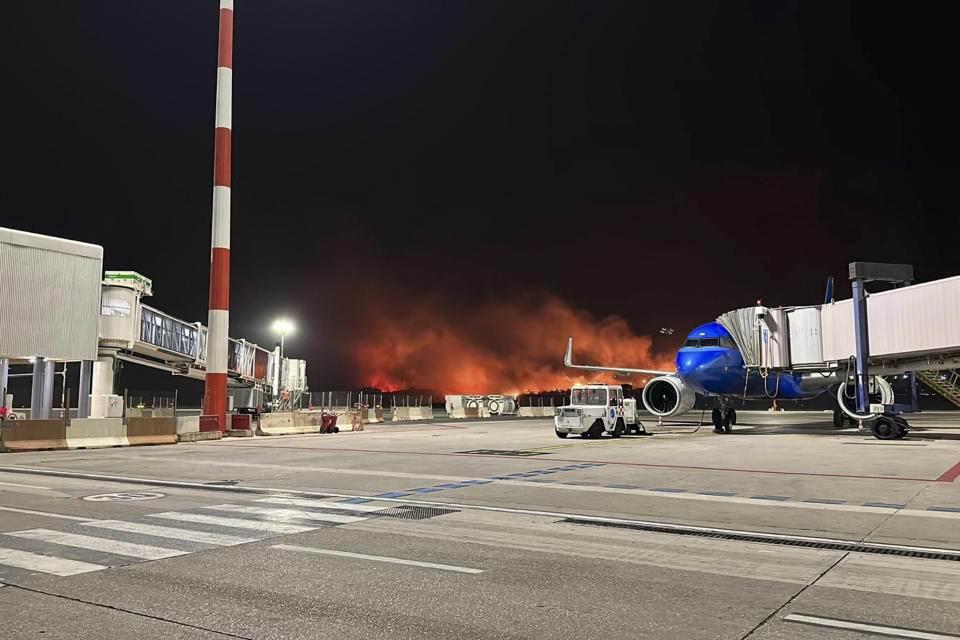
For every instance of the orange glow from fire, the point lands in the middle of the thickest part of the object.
(503, 347)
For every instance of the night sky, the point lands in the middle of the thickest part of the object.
(400, 165)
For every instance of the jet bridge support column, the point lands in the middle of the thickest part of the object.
(862, 345)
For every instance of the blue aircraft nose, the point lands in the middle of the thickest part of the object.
(698, 361)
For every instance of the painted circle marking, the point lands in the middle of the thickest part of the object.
(124, 496)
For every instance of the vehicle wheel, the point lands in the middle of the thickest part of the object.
(717, 417)
(884, 428)
(596, 430)
(839, 419)
(560, 434)
(617, 430)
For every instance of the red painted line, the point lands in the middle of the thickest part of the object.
(526, 460)
(950, 474)
(221, 156)
(219, 279)
(225, 48)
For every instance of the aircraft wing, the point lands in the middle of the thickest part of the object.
(568, 361)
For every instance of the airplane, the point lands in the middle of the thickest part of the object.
(709, 363)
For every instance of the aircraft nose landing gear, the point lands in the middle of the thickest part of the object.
(723, 420)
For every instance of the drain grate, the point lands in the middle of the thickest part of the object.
(810, 543)
(415, 513)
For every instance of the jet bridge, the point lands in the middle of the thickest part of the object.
(133, 331)
(907, 329)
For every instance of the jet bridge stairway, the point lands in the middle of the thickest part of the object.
(945, 382)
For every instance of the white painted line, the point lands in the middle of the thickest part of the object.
(188, 535)
(286, 515)
(362, 556)
(890, 632)
(45, 564)
(480, 507)
(319, 504)
(24, 486)
(46, 513)
(106, 545)
(235, 523)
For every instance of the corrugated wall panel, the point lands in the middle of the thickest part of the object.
(49, 302)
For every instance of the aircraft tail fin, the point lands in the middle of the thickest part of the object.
(828, 294)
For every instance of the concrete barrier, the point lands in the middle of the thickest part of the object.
(348, 421)
(142, 431)
(188, 430)
(95, 433)
(33, 435)
(239, 426)
(298, 422)
(526, 412)
(372, 416)
(275, 424)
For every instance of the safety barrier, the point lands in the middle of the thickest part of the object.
(302, 422)
(188, 430)
(240, 426)
(95, 433)
(142, 431)
(411, 414)
(348, 421)
(33, 435)
(372, 416)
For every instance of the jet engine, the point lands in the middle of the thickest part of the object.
(668, 396)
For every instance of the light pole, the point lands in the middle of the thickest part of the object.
(284, 326)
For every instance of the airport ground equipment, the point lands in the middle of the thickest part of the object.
(596, 409)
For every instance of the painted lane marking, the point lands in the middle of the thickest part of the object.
(188, 535)
(949, 509)
(885, 505)
(46, 564)
(319, 504)
(363, 556)
(778, 498)
(356, 501)
(950, 474)
(397, 494)
(235, 523)
(92, 543)
(24, 486)
(863, 627)
(273, 514)
(825, 501)
(46, 514)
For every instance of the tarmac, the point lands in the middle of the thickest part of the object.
(785, 528)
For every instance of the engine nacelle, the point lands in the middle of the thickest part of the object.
(668, 396)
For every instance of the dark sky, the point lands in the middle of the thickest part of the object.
(661, 161)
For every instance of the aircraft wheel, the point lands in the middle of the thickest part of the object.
(717, 417)
(884, 428)
(727, 421)
(560, 434)
(733, 416)
(839, 419)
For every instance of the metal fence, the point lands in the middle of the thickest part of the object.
(344, 400)
(150, 403)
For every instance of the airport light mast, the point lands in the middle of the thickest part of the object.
(218, 319)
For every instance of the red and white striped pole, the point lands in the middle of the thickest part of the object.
(218, 323)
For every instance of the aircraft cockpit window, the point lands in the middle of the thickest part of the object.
(728, 343)
(710, 342)
(692, 343)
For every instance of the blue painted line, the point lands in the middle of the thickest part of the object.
(726, 494)
(477, 481)
(455, 485)
(522, 475)
(670, 490)
(391, 495)
(501, 478)
(424, 490)
(824, 501)
(621, 486)
(537, 480)
(951, 509)
(886, 505)
(357, 500)
(583, 484)
(780, 498)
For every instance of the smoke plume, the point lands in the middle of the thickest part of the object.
(492, 347)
